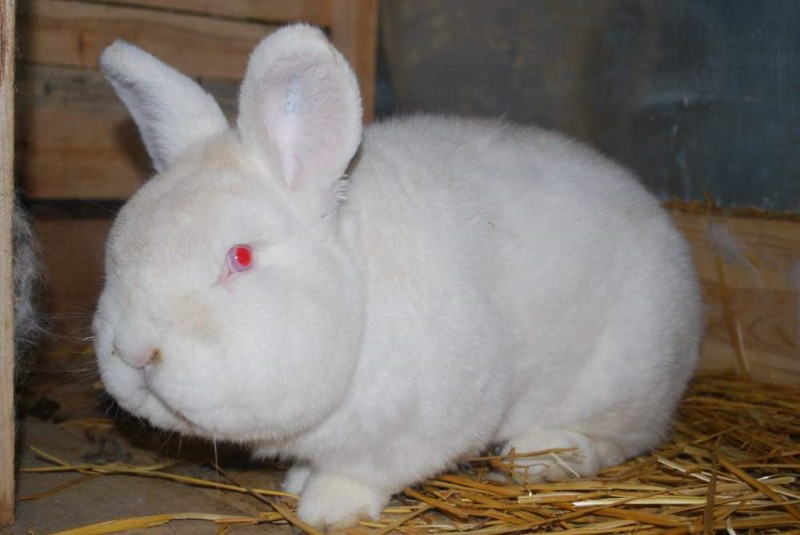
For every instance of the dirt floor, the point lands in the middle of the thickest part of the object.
(67, 416)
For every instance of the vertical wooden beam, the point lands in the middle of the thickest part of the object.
(7, 424)
(354, 31)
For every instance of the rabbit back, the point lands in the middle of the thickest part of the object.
(525, 268)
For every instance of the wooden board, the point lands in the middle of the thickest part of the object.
(75, 138)
(209, 39)
(69, 154)
(354, 31)
(72, 251)
(313, 11)
(7, 422)
(352, 25)
(750, 271)
(69, 33)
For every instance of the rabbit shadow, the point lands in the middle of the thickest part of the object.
(132, 433)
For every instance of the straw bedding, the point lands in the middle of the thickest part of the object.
(732, 465)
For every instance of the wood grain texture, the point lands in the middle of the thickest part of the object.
(199, 39)
(7, 421)
(69, 33)
(354, 31)
(312, 11)
(72, 251)
(69, 154)
(750, 271)
(75, 138)
(353, 26)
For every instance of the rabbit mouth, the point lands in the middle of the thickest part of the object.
(189, 426)
(182, 422)
(176, 413)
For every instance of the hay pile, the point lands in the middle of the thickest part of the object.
(732, 465)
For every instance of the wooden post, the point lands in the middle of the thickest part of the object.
(354, 31)
(7, 423)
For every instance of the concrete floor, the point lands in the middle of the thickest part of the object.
(66, 416)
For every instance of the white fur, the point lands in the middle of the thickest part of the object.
(483, 284)
(28, 275)
(170, 109)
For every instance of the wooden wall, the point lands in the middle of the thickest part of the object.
(7, 421)
(76, 140)
(750, 271)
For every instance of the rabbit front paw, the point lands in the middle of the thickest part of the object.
(337, 501)
(296, 478)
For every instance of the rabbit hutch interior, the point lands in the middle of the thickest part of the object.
(698, 99)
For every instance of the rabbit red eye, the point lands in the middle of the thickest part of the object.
(240, 257)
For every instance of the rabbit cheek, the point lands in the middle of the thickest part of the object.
(193, 320)
(270, 343)
(130, 388)
(132, 381)
(124, 383)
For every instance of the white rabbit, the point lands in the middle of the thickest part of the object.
(471, 284)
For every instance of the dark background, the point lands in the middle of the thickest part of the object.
(700, 97)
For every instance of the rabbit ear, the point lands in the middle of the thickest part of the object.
(170, 109)
(300, 101)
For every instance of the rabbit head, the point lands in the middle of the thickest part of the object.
(230, 310)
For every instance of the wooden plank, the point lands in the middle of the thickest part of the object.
(354, 31)
(70, 33)
(74, 155)
(7, 421)
(72, 253)
(353, 25)
(750, 271)
(76, 141)
(75, 138)
(312, 11)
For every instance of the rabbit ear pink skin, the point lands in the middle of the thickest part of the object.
(170, 109)
(300, 102)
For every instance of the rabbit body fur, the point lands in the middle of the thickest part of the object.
(470, 284)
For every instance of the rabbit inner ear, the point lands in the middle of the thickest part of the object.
(301, 99)
(291, 103)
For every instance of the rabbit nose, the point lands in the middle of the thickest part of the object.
(139, 359)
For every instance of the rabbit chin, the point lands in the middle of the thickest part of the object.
(207, 405)
(159, 414)
(130, 390)
(141, 399)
